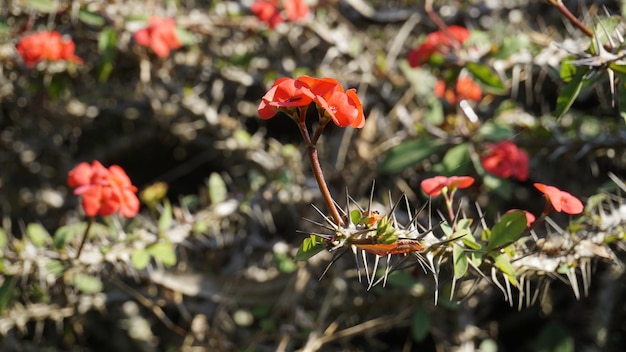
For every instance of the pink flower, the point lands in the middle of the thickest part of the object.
(435, 185)
(561, 201)
(504, 159)
(160, 35)
(46, 46)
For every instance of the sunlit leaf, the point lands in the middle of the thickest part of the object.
(487, 77)
(165, 220)
(87, 283)
(420, 324)
(284, 263)
(217, 188)
(66, 234)
(37, 234)
(408, 154)
(503, 263)
(507, 230)
(91, 18)
(163, 252)
(459, 260)
(45, 6)
(3, 239)
(310, 246)
(55, 268)
(140, 259)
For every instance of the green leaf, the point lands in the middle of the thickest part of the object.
(504, 264)
(87, 283)
(570, 92)
(185, 37)
(284, 263)
(407, 154)
(140, 259)
(163, 252)
(7, 292)
(91, 18)
(420, 324)
(456, 160)
(3, 239)
(511, 45)
(37, 234)
(217, 188)
(309, 247)
(487, 77)
(434, 114)
(45, 6)
(55, 268)
(507, 230)
(495, 131)
(459, 260)
(66, 234)
(165, 220)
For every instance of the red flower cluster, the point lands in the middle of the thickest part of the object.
(465, 89)
(160, 35)
(104, 191)
(504, 159)
(561, 201)
(435, 185)
(269, 11)
(438, 42)
(343, 107)
(46, 46)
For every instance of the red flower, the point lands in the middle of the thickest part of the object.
(285, 93)
(435, 185)
(530, 218)
(344, 107)
(160, 35)
(104, 191)
(466, 89)
(504, 159)
(46, 46)
(296, 10)
(438, 42)
(267, 11)
(561, 201)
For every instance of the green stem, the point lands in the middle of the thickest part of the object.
(82, 242)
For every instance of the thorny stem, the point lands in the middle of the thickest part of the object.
(316, 167)
(82, 242)
(568, 14)
(449, 199)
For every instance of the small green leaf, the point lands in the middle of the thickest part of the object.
(570, 92)
(7, 292)
(507, 230)
(185, 37)
(165, 220)
(45, 6)
(460, 261)
(37, 234)
(487, 77)
(504, 264)
(91, 18)
(495, 131)
(87, 283)
(66, 234)
(140, 259)
(309, 247)
(420, 325)
(434, 114)
(217, 188)
(3, 239)
(55, 268)
(456, 160)
(284, 263)
(407, 154)
(163, 252)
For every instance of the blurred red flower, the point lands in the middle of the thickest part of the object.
(465, 89)
(267, 11)
(46, 46)
(504, 159)
(270, 11)
(343, 107)
(530, 218)
(160, 35)
(434, 186)
(104, 191)
(438, 42)
(561, 201)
